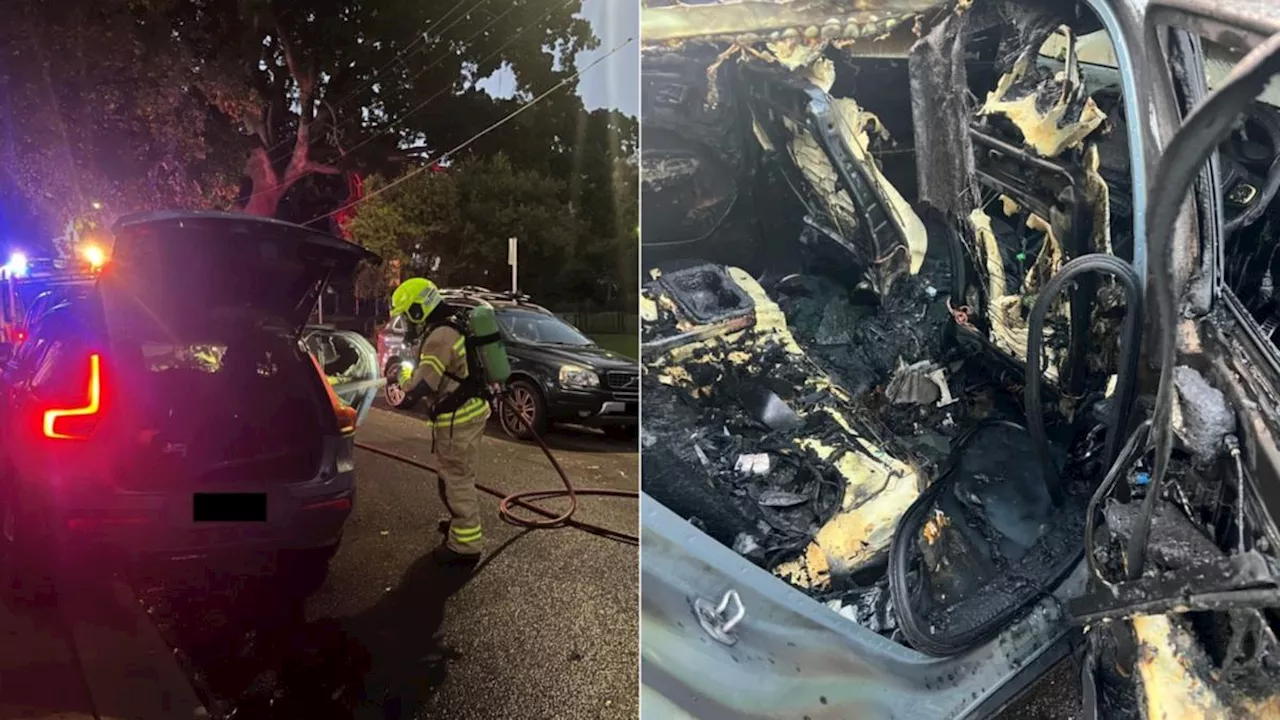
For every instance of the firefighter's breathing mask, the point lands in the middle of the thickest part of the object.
(416, 324)
(417, 314)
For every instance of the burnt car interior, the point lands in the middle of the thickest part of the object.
(1249, 168)
(891, 335)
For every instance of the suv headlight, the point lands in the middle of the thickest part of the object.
(572, 376)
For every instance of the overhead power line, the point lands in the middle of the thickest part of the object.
(467, 143)
(394, 123)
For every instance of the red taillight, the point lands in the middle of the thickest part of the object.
(342, 412)
(77, 423)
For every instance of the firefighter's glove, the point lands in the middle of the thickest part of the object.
(406, 374)
(418, 393)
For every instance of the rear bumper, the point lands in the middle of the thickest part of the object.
(131, 533)
(97, 520)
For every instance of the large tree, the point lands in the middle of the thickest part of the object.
(604, 187)
(585, 253)
(149, 103)
(323, 85)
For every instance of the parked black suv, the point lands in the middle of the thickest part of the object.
(172, 410)
(557, 373)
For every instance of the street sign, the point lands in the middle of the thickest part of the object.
(512, 261)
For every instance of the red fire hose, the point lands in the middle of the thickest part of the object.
(527, 499)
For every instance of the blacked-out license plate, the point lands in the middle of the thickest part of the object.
(229, 507)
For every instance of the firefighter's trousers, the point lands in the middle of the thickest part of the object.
(455, 449)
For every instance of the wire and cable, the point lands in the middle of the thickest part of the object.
(469, 141)
(1133, 449)
(1233, 448)
(1126, 374)
(527, 500)
(1204, 129)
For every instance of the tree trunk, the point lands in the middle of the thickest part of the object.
(269, 187)
(266, 189)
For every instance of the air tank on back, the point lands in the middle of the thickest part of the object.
(493, 354)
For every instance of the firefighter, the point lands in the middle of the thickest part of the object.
(457, 410)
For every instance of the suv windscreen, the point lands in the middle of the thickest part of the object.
(534, 327)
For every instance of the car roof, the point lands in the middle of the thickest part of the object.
(471, 296)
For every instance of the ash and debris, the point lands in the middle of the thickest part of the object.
(1117, 692)
(704, 449)
(1106, 318)
(858, 340)
(1202, 417)
(871, 607)
(676, 466)
(884, 351)
(779, 511)
(1240, 649)
(922, 383)
(666, 324)
(1175, 541)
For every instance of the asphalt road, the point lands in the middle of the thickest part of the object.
(546, 627)
(39, 677)
(1056, 696)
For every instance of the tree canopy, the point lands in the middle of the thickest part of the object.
(454, 226)
(173, 102)
(271, 105)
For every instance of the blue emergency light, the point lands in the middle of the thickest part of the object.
(17, 265)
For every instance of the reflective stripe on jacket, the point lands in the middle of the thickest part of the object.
(444, 349)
